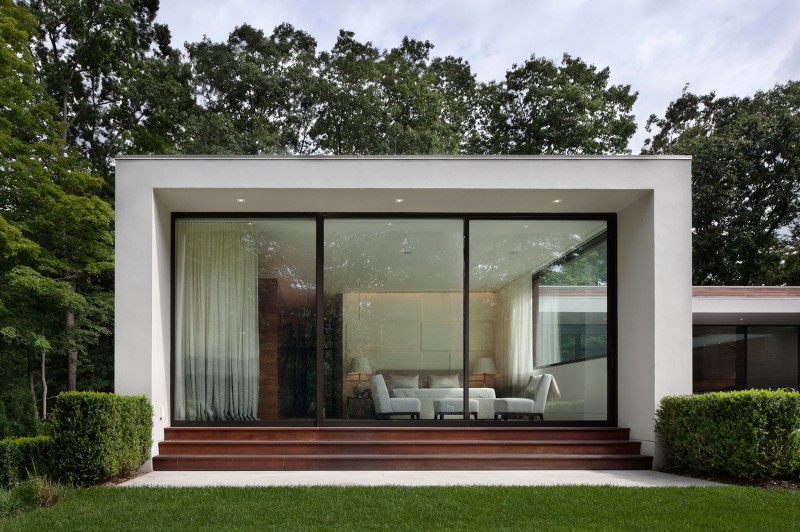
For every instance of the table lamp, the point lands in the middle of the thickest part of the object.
(484, 365)
(359, 365)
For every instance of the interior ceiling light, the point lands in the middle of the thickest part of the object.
(399, 200)
(557, 200)
(239, 200)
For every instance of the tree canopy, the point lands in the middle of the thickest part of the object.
(745, 181)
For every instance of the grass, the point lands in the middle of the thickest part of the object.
(29, 495)
(425, 508)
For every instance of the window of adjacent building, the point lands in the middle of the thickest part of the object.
(742, 357)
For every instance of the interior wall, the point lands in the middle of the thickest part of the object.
(416, 330)
(584, 391)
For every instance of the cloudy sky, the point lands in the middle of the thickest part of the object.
(656, 46)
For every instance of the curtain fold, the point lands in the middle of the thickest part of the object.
(548, 335)
(216, 321)
(515, 341)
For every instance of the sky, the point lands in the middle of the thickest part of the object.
(732, 47)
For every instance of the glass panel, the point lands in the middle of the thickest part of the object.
(545, 283)
(718, 357)
(393, 313)
(772, 357)
(244, 319)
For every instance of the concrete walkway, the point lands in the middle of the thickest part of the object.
(647, 479)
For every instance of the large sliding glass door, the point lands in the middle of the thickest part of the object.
(430, 314)
(244, 319)
(547, 284)
(393, 315)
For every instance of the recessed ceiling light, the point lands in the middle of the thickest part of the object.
(399, 200)
(239, 200)
(390, 223)
(525, 226)
(557, 200)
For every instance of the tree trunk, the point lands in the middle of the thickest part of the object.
(33, 389)
(72, 353)
(44, 387)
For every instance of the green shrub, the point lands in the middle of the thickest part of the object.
(21, 458)
(752, 434)
(99, 436)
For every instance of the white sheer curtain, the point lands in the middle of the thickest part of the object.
(515, 341)
(216, 321)
(548, 337)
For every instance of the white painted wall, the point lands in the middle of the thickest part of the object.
(650, 194)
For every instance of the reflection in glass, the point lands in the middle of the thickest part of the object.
(717, 351)
(244, 319)
(772, 357)
(545, 286)
(727, 357)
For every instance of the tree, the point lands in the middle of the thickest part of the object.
(97, 60)
(545, 108)
(745, 180)
(258, 90)
(57, 230)
(351, 112)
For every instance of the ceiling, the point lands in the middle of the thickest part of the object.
(411, 255)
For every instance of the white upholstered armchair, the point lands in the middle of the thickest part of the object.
(386, 406)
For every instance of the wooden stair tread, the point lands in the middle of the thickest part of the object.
(397, 448)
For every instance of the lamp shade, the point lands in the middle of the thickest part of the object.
(484, 365)
(359, 365)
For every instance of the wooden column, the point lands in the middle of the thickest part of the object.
(268, 349)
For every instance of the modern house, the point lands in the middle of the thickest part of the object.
(414, 298)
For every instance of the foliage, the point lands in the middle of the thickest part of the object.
(97, 60)
(37, 492)
(58, 235)
(745, 181)
(750, 434)
(99, 436)
(546, 108)
(21, 458)
(419, 508)
(276, 94)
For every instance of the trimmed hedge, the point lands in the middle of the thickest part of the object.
(99, 436)
(752, 434)
(22, 458)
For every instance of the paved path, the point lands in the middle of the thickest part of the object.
(414, 478)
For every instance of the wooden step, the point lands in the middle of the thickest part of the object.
(415, 447)
(397, 462)
(398, 448)
(395, 433)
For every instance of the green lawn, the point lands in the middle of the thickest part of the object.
(429, 508)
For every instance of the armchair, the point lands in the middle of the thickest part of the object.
(386, 406)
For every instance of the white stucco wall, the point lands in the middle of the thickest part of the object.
(651, 196)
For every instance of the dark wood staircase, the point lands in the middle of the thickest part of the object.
(400, 448)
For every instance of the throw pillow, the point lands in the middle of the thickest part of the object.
(445, 381)
(533, 385)
(404, 381)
